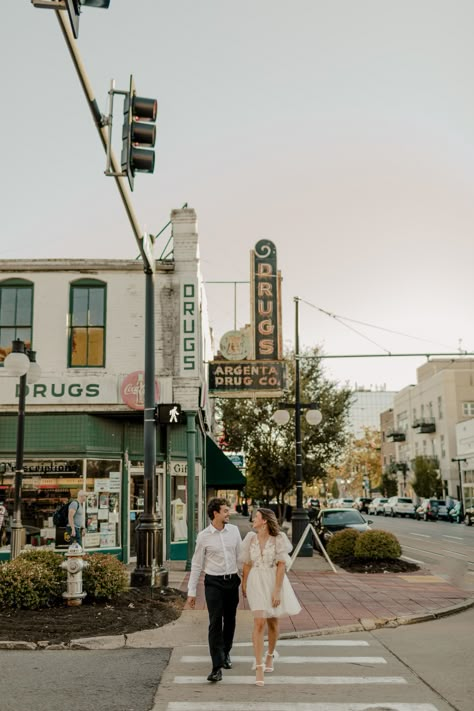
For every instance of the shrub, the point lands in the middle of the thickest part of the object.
(377, 544)
(31, 581)
(341, 545)
(105, 577)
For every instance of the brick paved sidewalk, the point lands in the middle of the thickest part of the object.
(331, 600)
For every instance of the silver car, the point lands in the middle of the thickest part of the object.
(376, 506)
(399, 506)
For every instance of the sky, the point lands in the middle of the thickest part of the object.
(343, 131)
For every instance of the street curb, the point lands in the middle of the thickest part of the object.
(364, 625)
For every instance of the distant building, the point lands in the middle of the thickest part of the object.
(366, 408)
(426, 415)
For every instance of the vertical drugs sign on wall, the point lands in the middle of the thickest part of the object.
(266, 302)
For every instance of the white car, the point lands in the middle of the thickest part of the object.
(376, 506)
(399, 506)
(343, 503)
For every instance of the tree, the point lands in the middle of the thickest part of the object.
(334, 490)
(389, 483)
(270, 449)
(361, 463)
(427, 482)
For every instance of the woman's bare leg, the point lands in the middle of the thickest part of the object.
(273, 634)
(257, 640)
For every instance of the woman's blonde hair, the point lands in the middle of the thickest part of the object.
(271, 519)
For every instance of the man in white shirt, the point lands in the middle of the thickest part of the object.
(217, 553)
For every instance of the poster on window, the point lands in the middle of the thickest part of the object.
(92, 523)
(92, 503)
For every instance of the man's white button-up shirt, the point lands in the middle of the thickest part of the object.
(217, 553)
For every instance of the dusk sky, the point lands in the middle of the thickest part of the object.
(343, 131)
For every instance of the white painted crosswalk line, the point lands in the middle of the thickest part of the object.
(275, 706)
(188, 659)
(306, 643)
(295, 680)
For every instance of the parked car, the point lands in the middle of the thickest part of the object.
(330, 521)
(469, 515)
(376, 506)
(428, 510)
(344, 503)
(455, 514)
(399, 506)
(362, 504)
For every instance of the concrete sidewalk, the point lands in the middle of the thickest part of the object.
(331, 603)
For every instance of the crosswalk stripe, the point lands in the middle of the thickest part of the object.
(295, 660)
(296, 680)
(305, 643)
(275, 706)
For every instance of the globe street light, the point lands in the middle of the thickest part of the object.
(21, 362)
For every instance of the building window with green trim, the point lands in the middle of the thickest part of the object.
(87, 324)
(16, 314)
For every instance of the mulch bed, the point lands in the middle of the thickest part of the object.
(383, 565)
(137, 609)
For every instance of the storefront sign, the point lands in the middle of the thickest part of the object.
(189, 315)
(132, 390)
(265, 280)
(42, 467)
(247, 376)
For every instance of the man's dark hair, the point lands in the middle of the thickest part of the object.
(215, 505)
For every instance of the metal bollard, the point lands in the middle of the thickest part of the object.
(74, 565)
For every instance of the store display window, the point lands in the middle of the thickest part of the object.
(48, 484)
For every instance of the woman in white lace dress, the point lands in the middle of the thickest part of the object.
(265, 584)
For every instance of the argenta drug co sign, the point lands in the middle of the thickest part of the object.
(249, 362)
(247, 375)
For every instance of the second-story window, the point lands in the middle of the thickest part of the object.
(87, 324)
(468, 408)
(16, 314)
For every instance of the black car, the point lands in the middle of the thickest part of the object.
(362, 504)
(330, 521)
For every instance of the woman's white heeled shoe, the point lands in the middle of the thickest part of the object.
(273, 656)
(259, 682)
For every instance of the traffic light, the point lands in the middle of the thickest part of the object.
(138, 134)
(74, 10)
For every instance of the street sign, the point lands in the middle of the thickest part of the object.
(236, 459)
(170, 415)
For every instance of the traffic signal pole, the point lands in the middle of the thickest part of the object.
(149, 569)
(101, 125)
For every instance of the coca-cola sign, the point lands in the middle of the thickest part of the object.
(132, 390)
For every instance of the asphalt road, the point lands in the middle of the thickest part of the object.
(119, 680)
(445, 548)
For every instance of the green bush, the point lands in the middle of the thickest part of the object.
(341, 546)
(31, 581)
(105, 577)
(377, 545)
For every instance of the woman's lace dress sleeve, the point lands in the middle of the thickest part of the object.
(282, 548)
(244, 557)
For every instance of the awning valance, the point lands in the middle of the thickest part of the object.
(220, 472)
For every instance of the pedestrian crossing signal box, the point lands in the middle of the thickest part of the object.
(170, 415)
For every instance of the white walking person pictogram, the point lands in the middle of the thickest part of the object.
(174, 412)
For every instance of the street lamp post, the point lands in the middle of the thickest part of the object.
(299, 516)
(461, 492)
(21, 362)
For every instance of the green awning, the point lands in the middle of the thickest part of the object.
(220, 472)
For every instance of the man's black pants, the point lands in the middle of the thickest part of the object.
(222, 599)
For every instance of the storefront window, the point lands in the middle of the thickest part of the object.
(103, 503)
(47, 484)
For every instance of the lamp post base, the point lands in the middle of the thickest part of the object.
(149, 571)
(16, 540)
(299, 521)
